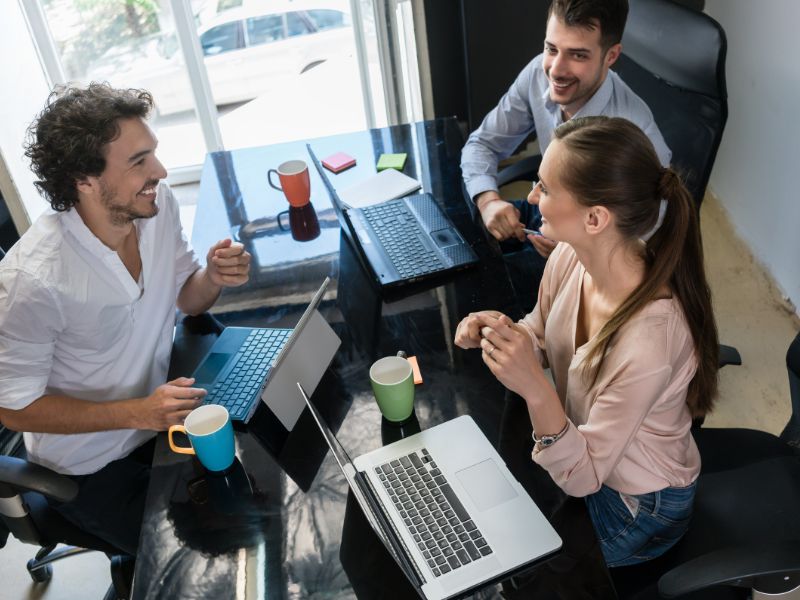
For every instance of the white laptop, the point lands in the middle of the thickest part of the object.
(446, 507)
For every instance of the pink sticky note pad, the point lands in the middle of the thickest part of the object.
(338, 162)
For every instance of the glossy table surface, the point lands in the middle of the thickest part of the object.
(282, 523)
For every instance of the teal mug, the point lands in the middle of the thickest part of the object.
(210, 434)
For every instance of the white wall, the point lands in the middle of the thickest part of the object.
(22, 96)
(757, 171)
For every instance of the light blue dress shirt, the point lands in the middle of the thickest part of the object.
(526, 108)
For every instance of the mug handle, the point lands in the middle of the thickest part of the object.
(269, 179)
(173, 445)
(280, 225)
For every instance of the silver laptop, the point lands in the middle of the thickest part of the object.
(246, 364)
(446, 507)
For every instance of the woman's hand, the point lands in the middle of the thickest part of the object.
(508, 352)
(468, 332)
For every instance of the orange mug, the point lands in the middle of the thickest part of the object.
(294, 181)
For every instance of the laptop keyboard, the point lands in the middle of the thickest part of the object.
(399, 234)
(438, 522)
(256, 354)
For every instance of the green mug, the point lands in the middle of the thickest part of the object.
(393, 385)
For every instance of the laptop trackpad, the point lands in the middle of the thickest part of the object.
(211, 367)
(486, 485)
(445, 237)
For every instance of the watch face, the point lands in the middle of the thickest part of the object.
(547, 440)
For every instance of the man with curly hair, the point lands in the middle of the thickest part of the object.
(87, 306)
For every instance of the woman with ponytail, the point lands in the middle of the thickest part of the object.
(624, 322)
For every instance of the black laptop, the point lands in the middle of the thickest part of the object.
(403, 240)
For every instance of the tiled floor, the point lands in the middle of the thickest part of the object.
(750, 315)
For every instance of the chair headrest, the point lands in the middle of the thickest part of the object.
(793, 356)
(678, 44)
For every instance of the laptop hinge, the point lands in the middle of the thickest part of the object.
(380, 512)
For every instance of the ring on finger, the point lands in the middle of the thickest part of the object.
(492, 349)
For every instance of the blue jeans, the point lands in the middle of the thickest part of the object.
(633, 529)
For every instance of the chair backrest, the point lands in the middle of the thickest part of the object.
(791, 433)
(673, 57)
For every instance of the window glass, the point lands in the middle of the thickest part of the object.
(296, 24)
(261, 30)
(326, 19)
(221, 38)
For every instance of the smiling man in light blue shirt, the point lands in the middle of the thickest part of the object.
(571, 78)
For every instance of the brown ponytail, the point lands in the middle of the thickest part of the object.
(613, 164)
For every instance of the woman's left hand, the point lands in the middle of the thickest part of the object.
(508, 352)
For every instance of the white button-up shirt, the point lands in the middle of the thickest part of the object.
(74, 322)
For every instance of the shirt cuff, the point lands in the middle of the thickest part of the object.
(563, 454)
(481, 183)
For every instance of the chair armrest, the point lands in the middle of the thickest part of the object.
(771, 569)
(728, 355)
(524, 169)
(24, 476)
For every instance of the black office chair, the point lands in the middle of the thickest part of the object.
(673, 57)
(26, 514)
(745, 530)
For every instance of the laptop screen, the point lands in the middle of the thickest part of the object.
(349, 470)
(337, 203)
(312, 306)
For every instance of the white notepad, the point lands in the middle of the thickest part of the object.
(384, 185)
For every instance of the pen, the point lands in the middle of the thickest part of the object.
(531, 231)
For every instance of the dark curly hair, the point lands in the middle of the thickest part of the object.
(67, 140)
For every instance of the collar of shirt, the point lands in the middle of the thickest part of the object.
(91, 243)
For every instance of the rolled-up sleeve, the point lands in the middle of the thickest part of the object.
(30, 320)
(500, 133)
(186, 261)
(582, 460)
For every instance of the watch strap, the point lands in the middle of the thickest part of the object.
(548, 440)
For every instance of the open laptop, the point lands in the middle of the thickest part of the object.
(245, 364)
(403, 240)
(446, 507)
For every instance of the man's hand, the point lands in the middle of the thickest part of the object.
(542, 245)
(169, 404)
(228, 264)
(500, 217)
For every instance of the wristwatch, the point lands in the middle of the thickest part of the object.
(549, 440)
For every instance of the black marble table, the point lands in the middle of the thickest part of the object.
(282, 523)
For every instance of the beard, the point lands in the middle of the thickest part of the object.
(121, 213)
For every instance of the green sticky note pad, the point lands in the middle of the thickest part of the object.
(392, 161)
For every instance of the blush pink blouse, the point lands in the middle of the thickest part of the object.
(630, 430)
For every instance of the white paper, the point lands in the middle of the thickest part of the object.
(384, 185)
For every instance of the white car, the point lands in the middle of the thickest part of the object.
(261, 47)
